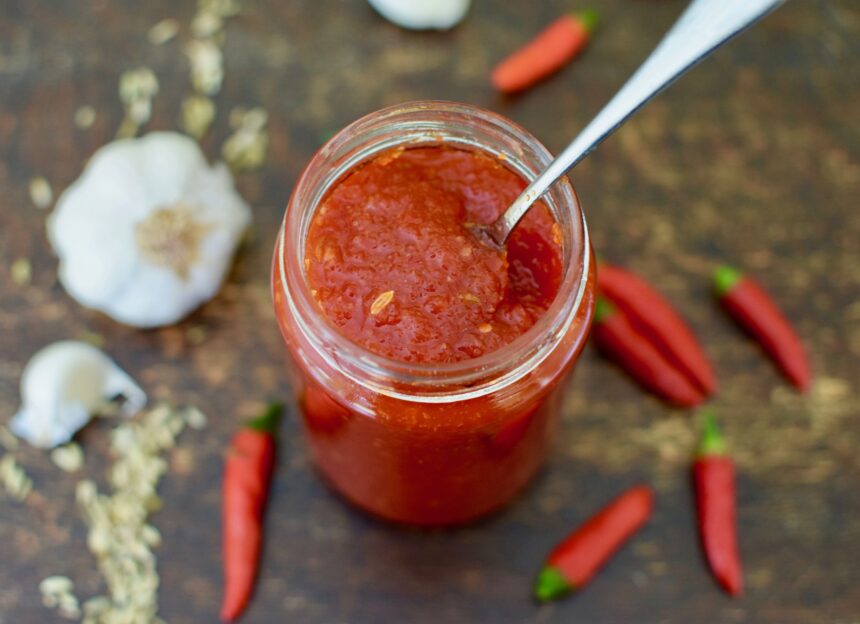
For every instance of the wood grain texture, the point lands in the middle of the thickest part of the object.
(751, 159)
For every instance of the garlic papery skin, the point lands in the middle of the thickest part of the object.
(63, 385)
(422, 14)
(148, 231)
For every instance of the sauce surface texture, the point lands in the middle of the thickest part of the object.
(392, 265)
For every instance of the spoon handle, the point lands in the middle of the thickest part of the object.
(701, 29)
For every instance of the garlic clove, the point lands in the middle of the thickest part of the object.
(117, 383)
(63, 385)
(422, 14)
(49, 430)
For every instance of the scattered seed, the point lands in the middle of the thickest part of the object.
(150, 535)
(470, 298)
(224, 8)
(118, 532)
(207, 66)
(245, 149)
(95, 607)
(136, 84)
(196, 335)
(163, 31)
(137, 87)
(68, 457)
(57, 593)
(139, 111)
(657, 568)
(14, 479)
(206, 60)
(246, 153)
(21, 271)
(97, 340)
(86, 493)
(195, 418)
(85, 117)
(69, 607)
(206, 24)
(485, 328)
(198, 113)
(54, 585)
(136, 90)
(253, 119)
(127, 129)
(830, 389)
(381, 301)
(40, 192)
(8, 439)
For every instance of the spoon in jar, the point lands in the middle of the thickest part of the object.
(701, 29)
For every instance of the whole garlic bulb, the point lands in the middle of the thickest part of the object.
(63, 385)
(148, 231)
(422, 14)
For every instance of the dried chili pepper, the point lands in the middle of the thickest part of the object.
(757, 313)
(615, 335)
(548, 52)
(714, 479)
(575, 561)
(247, 473)
(654, 316)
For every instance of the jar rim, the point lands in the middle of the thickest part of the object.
(431, 382)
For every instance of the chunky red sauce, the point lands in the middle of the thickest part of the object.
(394, 268)
(392, 264)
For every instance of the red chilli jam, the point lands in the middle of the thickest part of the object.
(428, 366)
(393, 266)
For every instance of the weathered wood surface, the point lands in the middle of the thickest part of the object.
(751, 159)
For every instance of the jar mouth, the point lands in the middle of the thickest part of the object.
(413, 124)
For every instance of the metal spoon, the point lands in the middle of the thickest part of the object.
(701, 29)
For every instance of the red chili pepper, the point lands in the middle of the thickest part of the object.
(756, 312)
(548, 52)
(714, 478)
(250, 460)
(615, 335)
(576, 560)
(653, 315)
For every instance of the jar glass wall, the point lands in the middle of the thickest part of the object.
(429, 444)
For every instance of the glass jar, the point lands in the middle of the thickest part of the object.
(429, 444)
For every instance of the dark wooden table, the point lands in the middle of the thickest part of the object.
(752, 159)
